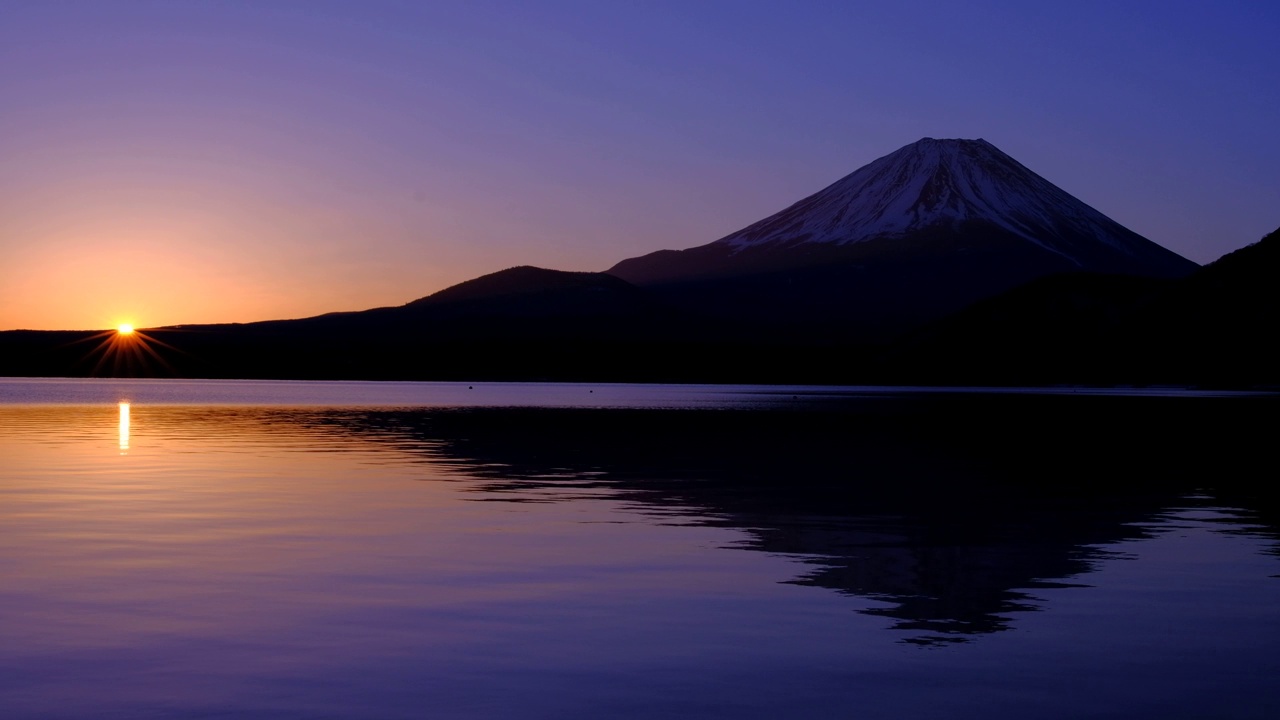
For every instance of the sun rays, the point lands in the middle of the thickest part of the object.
(126, 352)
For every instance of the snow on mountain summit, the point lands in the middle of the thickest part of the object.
(942, 204)
(933, 183)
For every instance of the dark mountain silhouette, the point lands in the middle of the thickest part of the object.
(895, 274)
(931, 197)
(548, 323)
(523, 291)
(1210, 328)
(949, 523)
(520, 302)
(1234, 299)
(530, 291)
(911, 237)
(1215, 327)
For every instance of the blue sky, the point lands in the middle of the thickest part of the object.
(189, 161)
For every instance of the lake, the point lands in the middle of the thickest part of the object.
(209, 549)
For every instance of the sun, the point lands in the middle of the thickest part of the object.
(125, 351)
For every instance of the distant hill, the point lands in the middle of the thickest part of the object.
(521, 322)
(1217, 326)
(530, 296)
(1211, 328)
(946, 262)
(529, 290)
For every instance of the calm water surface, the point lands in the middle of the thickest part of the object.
(365, 550)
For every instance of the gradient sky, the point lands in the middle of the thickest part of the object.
(187, 161)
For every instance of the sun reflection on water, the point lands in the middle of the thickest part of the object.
(242, 544)
(124, 427)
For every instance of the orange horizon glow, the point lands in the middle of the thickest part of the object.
(202, 163)
(45, 287)
(199, 248)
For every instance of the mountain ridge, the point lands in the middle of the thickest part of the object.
(919, 303)
(1209, 329)
(969, 188)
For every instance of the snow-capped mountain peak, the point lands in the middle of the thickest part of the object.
(939, 203)
(933, 183)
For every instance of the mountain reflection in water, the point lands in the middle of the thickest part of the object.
(950, 511)
(834, 554)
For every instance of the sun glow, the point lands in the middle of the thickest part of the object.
(126, 352)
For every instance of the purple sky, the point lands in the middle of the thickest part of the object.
(201, 161)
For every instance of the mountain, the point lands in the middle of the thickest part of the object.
(1061, 329)
(1216, 326)
(1235, 293)
(519, 295)
(896, 273)
(1211, 328)
(527, 291)
(523, 322)
(929, 198)
(907, 239)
